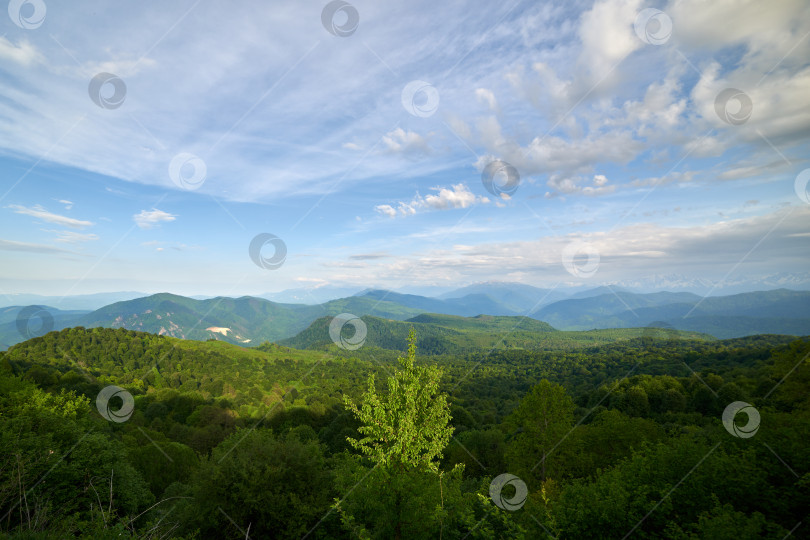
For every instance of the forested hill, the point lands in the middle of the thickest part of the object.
(451, 334)
(220, 435)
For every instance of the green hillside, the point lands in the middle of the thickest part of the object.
(451, 334)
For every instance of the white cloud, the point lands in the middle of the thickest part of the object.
(697, 23)
(386, 210)
(456, 196)
(39, 212)
(486, 96)
(400, 141)
(607, 36)
(22, 53)
(709, 250)
(566, 185)
(148, 219)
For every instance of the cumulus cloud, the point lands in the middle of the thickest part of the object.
(566, 185)
(607, 37)
(456, 196)
(42, 214)
(386, 210)
(148, 219)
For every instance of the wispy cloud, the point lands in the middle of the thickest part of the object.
(40, 213)
(11, 245)
(22, 53)
(73, 237)
(368, 256)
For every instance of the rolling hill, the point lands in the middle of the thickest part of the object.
(450, 334)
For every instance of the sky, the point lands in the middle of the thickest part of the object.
(214, 148)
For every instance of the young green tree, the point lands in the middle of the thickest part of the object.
(410, 426)
(404, 494)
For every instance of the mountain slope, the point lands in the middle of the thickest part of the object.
(245, 320)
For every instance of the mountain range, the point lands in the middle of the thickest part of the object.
(249, 321)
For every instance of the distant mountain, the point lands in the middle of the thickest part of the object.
(516, 297)
(310, 295)
(466, 306)
(324, 293)
(779, 311)
(599, 291)
(87, 302)
(605, 310)
(734, 285)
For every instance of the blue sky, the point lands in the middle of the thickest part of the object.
(609, 115)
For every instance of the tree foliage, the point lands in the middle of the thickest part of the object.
(408, 426)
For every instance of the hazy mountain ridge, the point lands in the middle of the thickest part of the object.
(779, 311)
(84, 302)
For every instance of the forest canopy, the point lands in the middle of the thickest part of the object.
(625, 438)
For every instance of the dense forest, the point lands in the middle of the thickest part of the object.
(113, 433)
